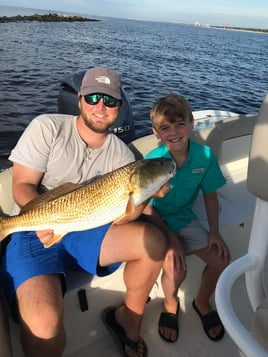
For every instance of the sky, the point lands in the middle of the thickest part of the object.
(235, 13)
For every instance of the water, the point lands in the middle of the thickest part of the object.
(214, 69)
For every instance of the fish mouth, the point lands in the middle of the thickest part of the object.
(172, 169)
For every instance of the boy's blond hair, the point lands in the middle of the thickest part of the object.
(172, 107)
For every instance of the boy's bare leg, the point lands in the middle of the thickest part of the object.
(215, 266)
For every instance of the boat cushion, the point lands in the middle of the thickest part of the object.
(258, 160)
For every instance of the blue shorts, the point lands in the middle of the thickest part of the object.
(26, 257)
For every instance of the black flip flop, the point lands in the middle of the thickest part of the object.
(171, 321)
(118, 333)
(210, 321)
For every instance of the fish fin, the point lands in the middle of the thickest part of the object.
(50, 196)
(56, 239)
(117, 220)
(130, 208)
(3, 232)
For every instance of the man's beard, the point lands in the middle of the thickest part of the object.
(97, 129)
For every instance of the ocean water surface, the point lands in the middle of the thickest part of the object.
(212, 68)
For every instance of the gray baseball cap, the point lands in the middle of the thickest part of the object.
(101, 80)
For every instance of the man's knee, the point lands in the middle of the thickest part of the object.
(45, 325)
(155, 242)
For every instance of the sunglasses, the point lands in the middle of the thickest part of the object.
(108, 101)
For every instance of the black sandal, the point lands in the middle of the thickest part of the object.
(171, 321)
(210, 321)
(119, 335)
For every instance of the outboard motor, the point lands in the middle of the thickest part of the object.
(67, 104)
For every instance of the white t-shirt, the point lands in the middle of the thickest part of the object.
(51, 144)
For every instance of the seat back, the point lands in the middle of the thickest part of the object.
(253, 263)
(257, 281)
(6, 196)
(258, 163)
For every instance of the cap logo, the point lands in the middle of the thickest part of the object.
(103, 79)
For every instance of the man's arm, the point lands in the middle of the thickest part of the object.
(25, 183)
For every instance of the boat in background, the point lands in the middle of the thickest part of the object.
(230, 136)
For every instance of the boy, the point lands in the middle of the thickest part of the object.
(197, 169)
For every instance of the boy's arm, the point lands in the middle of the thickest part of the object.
(215, 239)
(175, 257)
(212, 208)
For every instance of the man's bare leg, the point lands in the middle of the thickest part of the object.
(41, 311)
(143, 247)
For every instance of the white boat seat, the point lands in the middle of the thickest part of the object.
(236, 126)
(6, 201)
(260, 324)
(253, 263)
(142, 146)
(236, 135)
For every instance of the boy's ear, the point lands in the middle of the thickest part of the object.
(155, 133)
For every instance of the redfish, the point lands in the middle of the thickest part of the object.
(75, 207)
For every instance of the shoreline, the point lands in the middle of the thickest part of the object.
(51, 17)
(244, 29)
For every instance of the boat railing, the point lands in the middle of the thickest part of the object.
(252, 264)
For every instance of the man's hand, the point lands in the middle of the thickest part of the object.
(45, 236)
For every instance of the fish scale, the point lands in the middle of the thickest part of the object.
(73, 207)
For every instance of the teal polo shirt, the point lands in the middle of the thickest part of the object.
(201, 171)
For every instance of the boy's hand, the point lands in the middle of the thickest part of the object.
(162, 191)
(215, 240)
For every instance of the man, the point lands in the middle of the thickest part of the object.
(55, 149)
